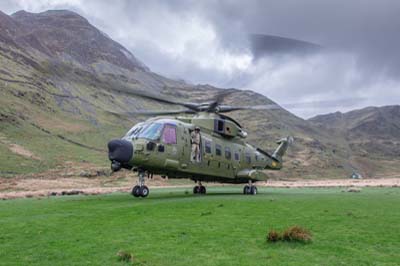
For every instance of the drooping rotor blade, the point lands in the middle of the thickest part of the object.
(297, 105)
(143, 94)
(154, 112)
(227, 108)
(344, 102)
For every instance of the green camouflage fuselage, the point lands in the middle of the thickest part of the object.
(224, 156)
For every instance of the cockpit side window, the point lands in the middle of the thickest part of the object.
(169, 134)
(152, 132)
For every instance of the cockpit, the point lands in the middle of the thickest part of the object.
(134, 131)
(153, 131)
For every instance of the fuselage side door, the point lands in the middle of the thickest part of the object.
(169, 146)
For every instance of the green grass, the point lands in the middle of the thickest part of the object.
(222, 228)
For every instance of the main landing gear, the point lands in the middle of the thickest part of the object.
(140, 190)
(250, 189)
(199, 189)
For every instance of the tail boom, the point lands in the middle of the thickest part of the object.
(276, 158)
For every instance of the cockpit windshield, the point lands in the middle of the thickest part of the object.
(152, 131)
(134, 131)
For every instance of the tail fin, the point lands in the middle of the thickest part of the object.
(283, 145)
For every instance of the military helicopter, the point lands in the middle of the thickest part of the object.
(162, 145)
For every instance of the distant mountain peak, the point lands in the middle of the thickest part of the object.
(66, 35)
(370, 122)
(61, 13)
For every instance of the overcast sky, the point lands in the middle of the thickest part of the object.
(206, 42)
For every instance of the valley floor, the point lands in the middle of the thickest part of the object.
(173, 227)
(92, 181)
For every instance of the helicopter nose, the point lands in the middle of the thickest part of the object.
(119, 152)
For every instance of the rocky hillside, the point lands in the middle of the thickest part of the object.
(373, 130)
(372, 135)
(61, 77)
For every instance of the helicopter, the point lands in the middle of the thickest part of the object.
(163, 145)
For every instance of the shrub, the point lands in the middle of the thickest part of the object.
(292, 234)
(273, 236)
(125, 256)
(296, 233)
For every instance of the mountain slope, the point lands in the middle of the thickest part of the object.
(61, 76)
(68, 36)
(372, 133)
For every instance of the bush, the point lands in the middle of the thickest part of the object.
(292, 234)
(296, 233)
(273, 236)
(125, 256)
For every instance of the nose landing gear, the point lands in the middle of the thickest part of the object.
(250, 189)
(140, 190)
(199, 189)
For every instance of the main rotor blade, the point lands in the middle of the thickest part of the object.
(298, 105)
(153, 112)
(344, 102)
(227, 108)
(143, 94)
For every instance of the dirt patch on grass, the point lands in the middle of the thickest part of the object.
(90, 179)
(76, 177)
(17, 149)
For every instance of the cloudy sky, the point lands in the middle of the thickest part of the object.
(207, 42)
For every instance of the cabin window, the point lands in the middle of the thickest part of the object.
(237, 157)
(169, 134)
(218, 150)
(256, 157)
(248, 158)
(208, 146)
(228, 154)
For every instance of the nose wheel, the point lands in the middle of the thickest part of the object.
(250, 189)
(199, 189)
(140, 190)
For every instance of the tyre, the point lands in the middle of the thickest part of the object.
(136, 191)
(246, 190)
(253, 190)
(144, 191)
(196, 190)
(202, 190)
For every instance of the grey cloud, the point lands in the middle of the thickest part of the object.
(206, 42)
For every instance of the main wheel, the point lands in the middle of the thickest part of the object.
(246, 190)
(196, 190)
(202, 190)
(253, 190)
(144, 191)
(136, 191)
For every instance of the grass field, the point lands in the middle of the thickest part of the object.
(223, 228)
